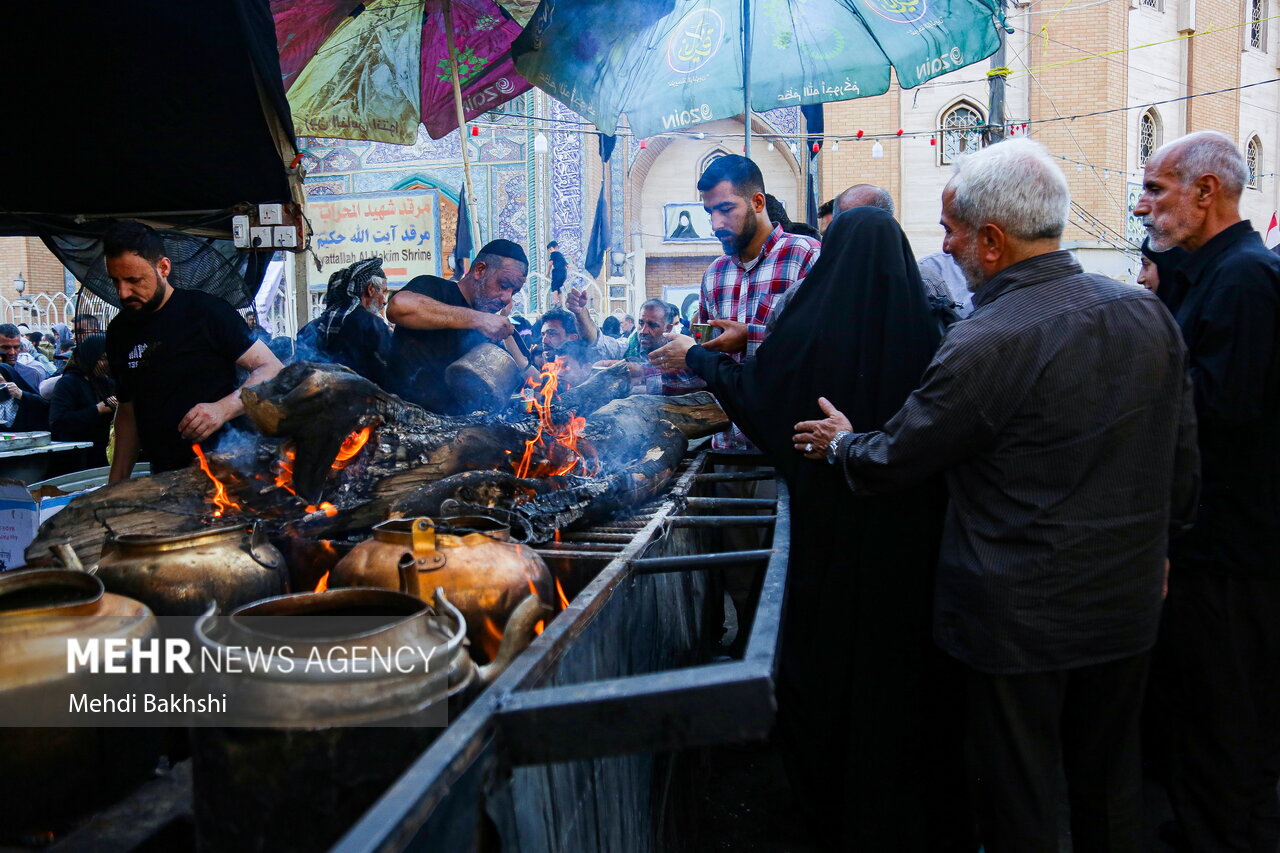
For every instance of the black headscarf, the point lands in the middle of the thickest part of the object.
(1167, 263)
(84, 361)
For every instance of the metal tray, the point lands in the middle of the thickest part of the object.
(22, 440)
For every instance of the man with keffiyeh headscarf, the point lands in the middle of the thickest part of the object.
(351, 331)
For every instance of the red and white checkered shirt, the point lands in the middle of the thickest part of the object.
(731, 291)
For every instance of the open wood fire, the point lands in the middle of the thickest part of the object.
(336, 455)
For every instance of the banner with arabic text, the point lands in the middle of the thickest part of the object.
(402, 228)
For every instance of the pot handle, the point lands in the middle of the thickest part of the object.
(423, 534)
(67, 556)
(516, 637)
(257, 540)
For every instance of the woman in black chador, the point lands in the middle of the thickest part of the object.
(83, 402)
(684, 229)
(869, 710)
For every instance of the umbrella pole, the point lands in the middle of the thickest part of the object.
(457, 97)
(746, 78)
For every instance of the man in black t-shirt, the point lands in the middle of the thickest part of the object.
(173, 354)
(557, 271)
(439, 321)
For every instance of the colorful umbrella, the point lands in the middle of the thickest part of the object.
(374, 70)
(687, 66)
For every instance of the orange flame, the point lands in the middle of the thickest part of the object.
(351, 445)
(492, 638)
(539, 627)
(284, 476)
(550, 441)
(221, 500)
(564, 602)
(323, 584)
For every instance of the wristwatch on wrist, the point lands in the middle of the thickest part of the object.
(833, 449)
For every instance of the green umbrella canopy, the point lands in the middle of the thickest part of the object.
(686, 67)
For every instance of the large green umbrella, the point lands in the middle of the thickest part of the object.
(687, 65)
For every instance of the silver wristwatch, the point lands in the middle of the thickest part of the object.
(833, 449)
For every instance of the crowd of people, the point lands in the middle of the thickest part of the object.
(1033, 508)
(1031, 545)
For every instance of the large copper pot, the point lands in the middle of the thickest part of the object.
(484, 378)
(179, 574)
(48, 774)
(473, 559)
(326, 745)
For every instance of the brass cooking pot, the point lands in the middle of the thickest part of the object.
(55, 772)
(179, 574)
(329, 742)
(484, 574)
(483, 379)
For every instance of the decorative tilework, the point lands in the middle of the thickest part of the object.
(325, 187)
(566, 184)
(339, 160)
(785, 119)
(617, 198)
(510, 204)
(501, 150)
(424, 149)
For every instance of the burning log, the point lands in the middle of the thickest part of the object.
(337, 455)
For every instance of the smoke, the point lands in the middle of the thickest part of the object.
(237, 444)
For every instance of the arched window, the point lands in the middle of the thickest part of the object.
(1148, 136)
(714, 155)
(961, 131)
(1257, 24)
(1253, 157)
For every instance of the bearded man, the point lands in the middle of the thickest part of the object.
(760, 263)
(173, 354)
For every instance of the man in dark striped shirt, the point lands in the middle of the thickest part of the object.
(1061, 414)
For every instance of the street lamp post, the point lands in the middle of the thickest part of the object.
(20, 285)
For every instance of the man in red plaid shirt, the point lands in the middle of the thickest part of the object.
(760, 262)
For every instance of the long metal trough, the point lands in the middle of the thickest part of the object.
(578, 746)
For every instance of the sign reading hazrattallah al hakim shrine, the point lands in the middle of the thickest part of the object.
(402, 228)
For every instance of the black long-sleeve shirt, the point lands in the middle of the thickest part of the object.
(1061, 414)
(1228, 307)
(363, 343)
(74, 416)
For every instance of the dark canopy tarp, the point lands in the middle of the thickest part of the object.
(142, 108)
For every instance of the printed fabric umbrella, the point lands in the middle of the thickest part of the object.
(375, 69)
(686, 66)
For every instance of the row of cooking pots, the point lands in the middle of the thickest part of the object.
(322, 742)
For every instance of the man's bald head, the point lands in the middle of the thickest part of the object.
(1191, 190)
(1206, 152)
(864, 195)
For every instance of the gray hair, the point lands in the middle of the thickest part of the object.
(668, 310)
(1208, 152)
(1014, 184)
(864, 195)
